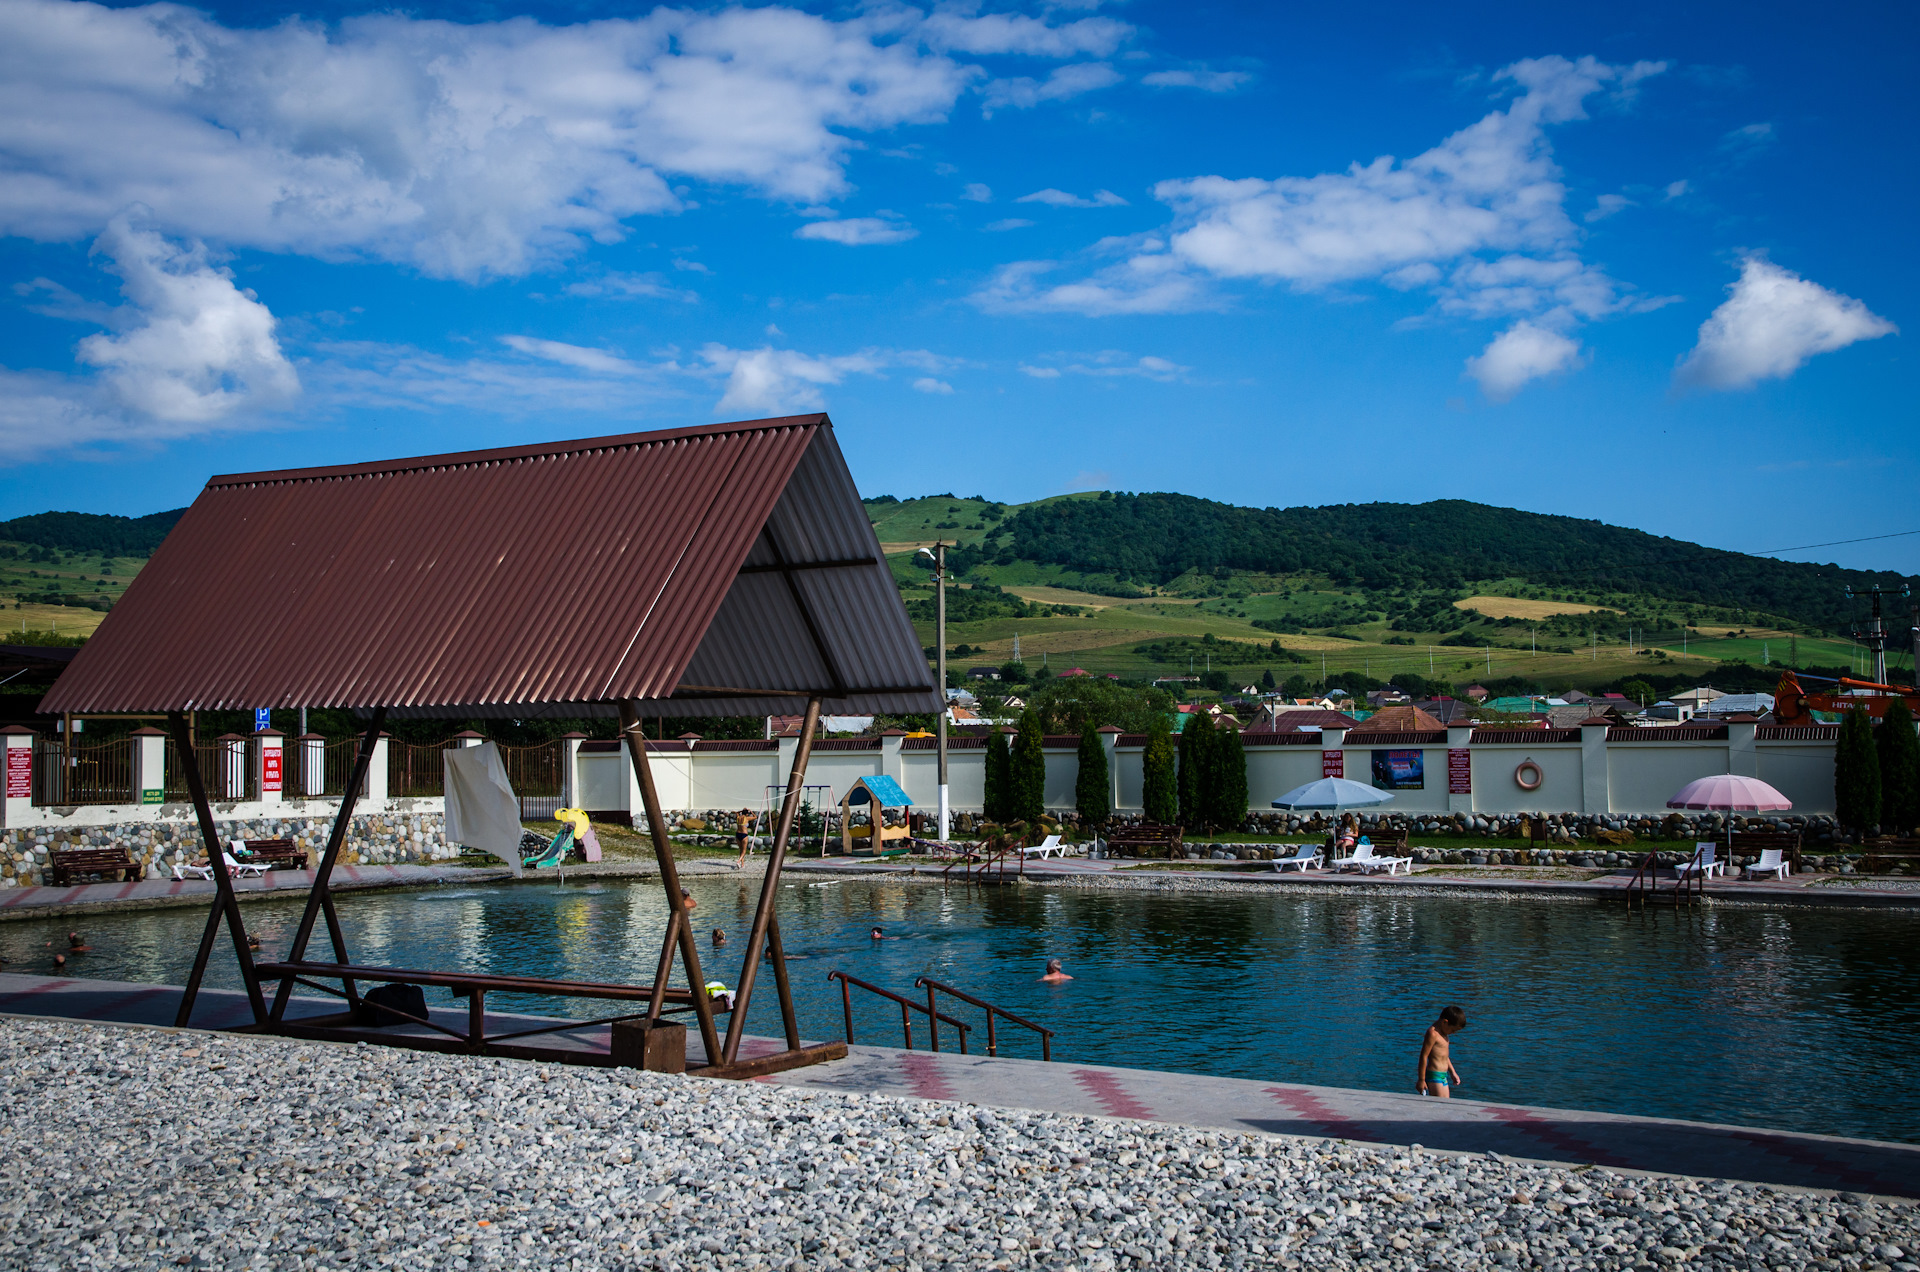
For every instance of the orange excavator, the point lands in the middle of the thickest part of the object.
(1795, 705)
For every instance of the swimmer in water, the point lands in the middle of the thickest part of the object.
(59, 961)
(77, 944)
(1054, 975)
(719, 938)
(878, 935)
(686, 900)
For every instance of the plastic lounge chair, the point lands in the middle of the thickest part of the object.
(242, 869)
(1772, 861)
(555, 852)
(1706, 861)
(1050, 846)
(1362, 858)
(181, 870)
(1402, 865)
(1306, 856)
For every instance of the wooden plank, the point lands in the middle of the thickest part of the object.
(778, 1062)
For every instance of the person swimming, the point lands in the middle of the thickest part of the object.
(77, 944)
(878, 935)
(686, 900)
(1054, 975)
(719, 937)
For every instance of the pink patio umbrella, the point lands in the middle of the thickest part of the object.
(1728, 793)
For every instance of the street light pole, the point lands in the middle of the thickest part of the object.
(939, 555)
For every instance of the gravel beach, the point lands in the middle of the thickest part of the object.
(147, 1148)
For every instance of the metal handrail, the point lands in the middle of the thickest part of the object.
(906, 1021)
(993, 1042)
(1642, 884)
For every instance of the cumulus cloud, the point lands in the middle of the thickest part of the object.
(927, 384)
(859, 231)
(1205, 81)
(187, 353)
(1006, 223)
(1521, 353)
(1480, 220)
(466, 150)
(1773, 320)
(1607, 205)
(1061, 199)
(773, 381)
(977, 193)
(1024, 92)
(622, 286)
(598, 361)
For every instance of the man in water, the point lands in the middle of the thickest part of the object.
(1054, 975)
(1436, 1075)
(878, 935)
(687, 902)
(77, 944)
(719, 938)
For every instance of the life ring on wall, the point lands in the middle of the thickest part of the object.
(1520, 776)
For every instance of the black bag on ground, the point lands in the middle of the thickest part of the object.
(381, 1005)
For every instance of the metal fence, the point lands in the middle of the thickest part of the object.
(415, 771)
(337, 766)
(226, 770)
(64, 775)
(535, 772)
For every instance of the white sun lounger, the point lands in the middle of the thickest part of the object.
(1050, 846)
(1364, 860)
(181, 870)
(1772, 861)
(1706, 861)
(238, 869)
(1305, 857)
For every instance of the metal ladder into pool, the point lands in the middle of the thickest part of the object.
(931, 1010)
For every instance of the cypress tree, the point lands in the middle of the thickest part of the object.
(999, 767)
(1227, 805)
(1159, 791)
(1028, 787)
(1856, 773)
(1196, 745)
(1090, 789)
(1899, 770)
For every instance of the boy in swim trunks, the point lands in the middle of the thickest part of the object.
(1437, 1076)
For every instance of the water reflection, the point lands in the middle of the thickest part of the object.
(1718, 1014)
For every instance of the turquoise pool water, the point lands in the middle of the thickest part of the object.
(1800, 1019)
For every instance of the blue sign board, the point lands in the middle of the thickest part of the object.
(262, 719)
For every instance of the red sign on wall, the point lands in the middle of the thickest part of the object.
(1333, 763)
(19, 772)
(270, 769)
(1459, 771)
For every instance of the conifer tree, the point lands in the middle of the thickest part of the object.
(1856, 773)
(1028, 787)
(1899, 769)
(1227, 798)
(1196, 747)
(1090, 786)
(998, 774)
(1159, 790)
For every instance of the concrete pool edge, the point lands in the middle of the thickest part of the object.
(1664, 1147)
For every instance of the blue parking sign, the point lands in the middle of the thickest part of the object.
(262, 719)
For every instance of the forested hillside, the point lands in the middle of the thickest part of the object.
(92, 533)
(1155, 538)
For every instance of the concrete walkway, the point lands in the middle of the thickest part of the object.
(155, 893)
(1634, 1143)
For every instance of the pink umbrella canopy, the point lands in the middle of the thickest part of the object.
(1726, 792)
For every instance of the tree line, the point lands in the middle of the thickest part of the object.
(1876, 772)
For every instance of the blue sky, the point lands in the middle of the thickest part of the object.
(1644, 263)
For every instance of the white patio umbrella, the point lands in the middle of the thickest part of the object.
(1336, 794)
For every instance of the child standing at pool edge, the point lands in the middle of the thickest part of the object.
(1437, 1076)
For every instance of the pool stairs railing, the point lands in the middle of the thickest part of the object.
(993, 1042)
(1688, 889)
(907, 1006)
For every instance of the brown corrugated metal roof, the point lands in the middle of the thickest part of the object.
(703, 571)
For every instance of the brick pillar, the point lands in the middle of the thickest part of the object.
(890, 765)
(467, 737)
(1109, 742)
(18, 803)
(1458, 737)
(149, 765)
(1595, 787)
(270, 765)
(1333, 754)
(307, 767)
(376, 792)
(230, 771)
(1743, 753)
(570, 769)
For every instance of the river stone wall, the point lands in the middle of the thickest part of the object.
(376, 838)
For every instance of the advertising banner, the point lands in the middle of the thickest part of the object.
(19, 772)
(1459, 771)
(1333, 764)
(270, 769)
(1399, 770)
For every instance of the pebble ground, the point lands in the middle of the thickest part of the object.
(144, 1148)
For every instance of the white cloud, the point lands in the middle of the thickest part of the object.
(1205, 81)
(1679, 188)
(780, 381)
(1772, 321)
(977, 193)
(1479, 219)
(191, 348)
(467, 150)
(1747, 138)
(859, 231)
(1006, 223)
(1041, 373)
(1025, 92)
(927, 384)
(1016, 33)
(1607, 205)
(1112, 364)
(1521, 353)
(598, 361)
(633, 286)
(1061, 199)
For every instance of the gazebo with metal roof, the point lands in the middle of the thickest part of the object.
(721, 570)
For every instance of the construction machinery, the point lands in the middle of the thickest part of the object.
(1793, 704)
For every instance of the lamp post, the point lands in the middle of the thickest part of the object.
(939, 558)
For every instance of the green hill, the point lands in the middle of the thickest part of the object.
(93, 534)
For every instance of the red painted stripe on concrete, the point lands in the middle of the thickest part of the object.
(1801, 1154)
(21, 896)
(41, 988)
(108, 1009)
(1316, 1110)
(925, 1076)
(1106, 1088)
(1530, 1123)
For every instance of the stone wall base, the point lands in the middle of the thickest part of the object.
(386, 838)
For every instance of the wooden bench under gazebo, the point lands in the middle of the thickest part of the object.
(722, 570)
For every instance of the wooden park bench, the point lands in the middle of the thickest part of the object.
(1133, 840)
(1879, 855)
(1754, 842)
(274, 852)
(69, 864)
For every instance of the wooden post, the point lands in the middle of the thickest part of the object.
(678, 926)
(769, 891)
(224, 902)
